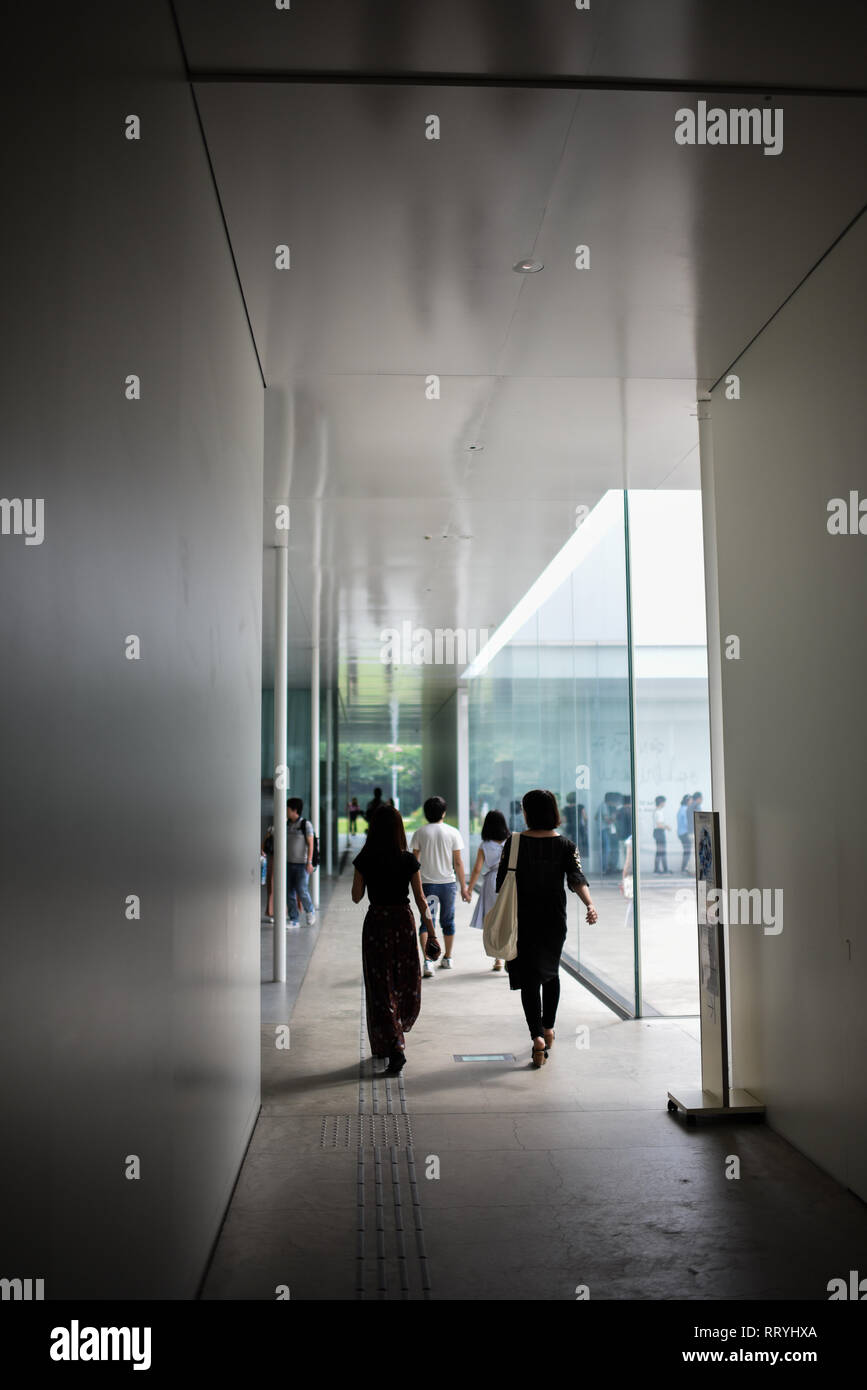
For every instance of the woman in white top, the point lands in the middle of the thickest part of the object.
(495, 832)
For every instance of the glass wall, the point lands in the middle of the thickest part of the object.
(552, 709)
(672, 738)
(551, 705)
(297, 741)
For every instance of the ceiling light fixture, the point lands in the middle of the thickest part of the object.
(527, 266)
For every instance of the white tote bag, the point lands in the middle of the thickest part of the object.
(500, 933)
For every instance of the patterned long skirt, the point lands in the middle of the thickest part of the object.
(392, 976)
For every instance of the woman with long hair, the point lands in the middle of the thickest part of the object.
(546, 860)
(386, 871)
(495, 832)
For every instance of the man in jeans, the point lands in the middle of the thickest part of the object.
(299, 861)
(437, 847)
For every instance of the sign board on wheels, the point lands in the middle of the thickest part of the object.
(716, 1099)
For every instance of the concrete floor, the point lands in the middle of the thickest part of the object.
(490, 1180)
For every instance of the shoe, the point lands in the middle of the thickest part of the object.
(396, 1063)
(446, 963)
(311, 919)
(549, 1042)
(539, 1056)
(292, 926)
(497, 965)
(266, 918)
(427, 973)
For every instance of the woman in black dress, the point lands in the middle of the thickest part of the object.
(389, 948)
(545, 860)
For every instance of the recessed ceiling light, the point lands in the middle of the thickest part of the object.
(527, 266)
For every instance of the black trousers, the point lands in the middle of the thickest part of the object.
(660, 863)
(541, 1015)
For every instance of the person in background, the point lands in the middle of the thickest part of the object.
(438, 848)
(299, 861)
(581, 830)
(386, 871)
(268, 851)
(627, 885)
(495, 832)
(545, 860)
(353, 811)
(623, 822)
(570, 817)
(684, 830)
(610, 844)
(660, 863)
(373, 806)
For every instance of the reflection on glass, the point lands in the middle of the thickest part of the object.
(551, 709)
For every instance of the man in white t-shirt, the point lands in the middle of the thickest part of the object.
(438, 847)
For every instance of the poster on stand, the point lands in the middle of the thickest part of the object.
(711, 954)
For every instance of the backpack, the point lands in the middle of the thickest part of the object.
(314, 858)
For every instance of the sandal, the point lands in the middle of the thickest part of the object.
(539, 1056)
(549, 1041)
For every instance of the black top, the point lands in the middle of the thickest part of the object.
(544, 865)
(386, 879)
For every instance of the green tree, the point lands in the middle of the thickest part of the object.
(370, 766)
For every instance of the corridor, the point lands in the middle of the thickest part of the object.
(423, 410)
(541, 1182)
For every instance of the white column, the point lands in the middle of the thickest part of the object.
(463, 697)
(714, 634)
(314, 764)
(281, 772)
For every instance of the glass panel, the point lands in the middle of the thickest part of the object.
(551, 709)
(672, 754)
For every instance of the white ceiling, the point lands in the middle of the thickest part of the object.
(702, 41)
(574, 381)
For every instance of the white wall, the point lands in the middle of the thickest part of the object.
(793, 708)
(124, 1036)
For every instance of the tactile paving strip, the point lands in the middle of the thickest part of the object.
(371, 1131)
